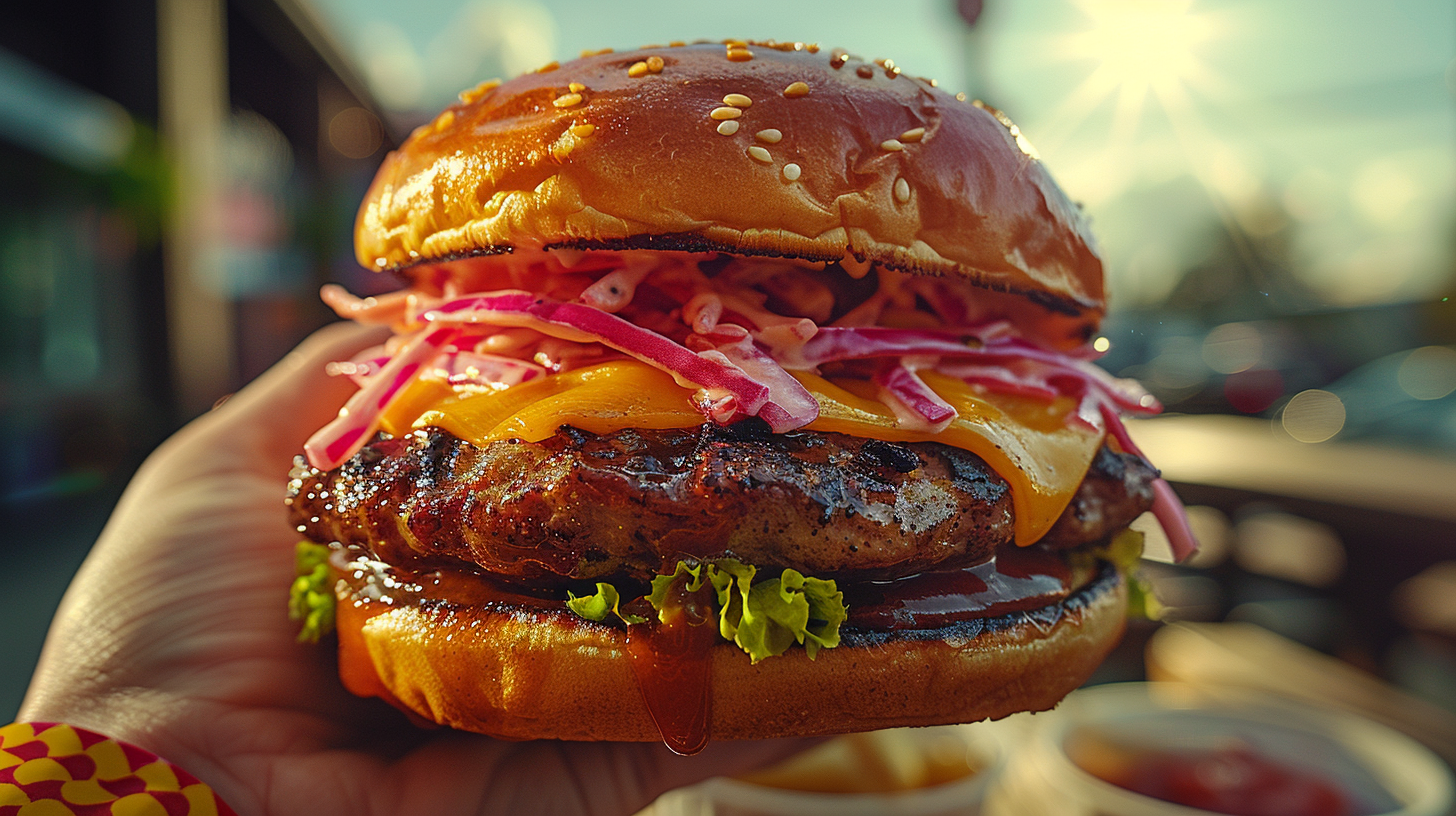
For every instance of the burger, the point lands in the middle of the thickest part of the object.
(735, 390)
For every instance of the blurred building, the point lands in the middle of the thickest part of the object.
(177, 179)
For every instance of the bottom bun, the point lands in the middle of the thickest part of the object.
(532, 673)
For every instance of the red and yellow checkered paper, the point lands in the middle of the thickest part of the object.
(48, 769)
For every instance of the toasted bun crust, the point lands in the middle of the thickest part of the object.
(601, 153)
(527, 674)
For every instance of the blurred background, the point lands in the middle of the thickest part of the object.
(1273, 183)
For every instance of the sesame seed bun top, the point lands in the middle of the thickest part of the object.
(748, 148)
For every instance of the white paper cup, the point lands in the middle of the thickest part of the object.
(1386, 771)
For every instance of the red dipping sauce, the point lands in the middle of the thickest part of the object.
(1236, 781)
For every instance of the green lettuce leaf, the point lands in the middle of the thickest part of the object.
(606, 601)
(1141, 602)
(1125, 551)
(768, 617)
(692, 574)
(764, 618)
(311, 597)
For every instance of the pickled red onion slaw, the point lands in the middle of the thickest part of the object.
(730, 329)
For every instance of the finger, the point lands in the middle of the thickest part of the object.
(268, 421)
(554, 777)
(298, 388)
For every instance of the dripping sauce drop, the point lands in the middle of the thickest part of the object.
(670, 659)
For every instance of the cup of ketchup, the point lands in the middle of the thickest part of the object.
(1146, 749)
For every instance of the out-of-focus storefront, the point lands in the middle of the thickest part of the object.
(179, 179)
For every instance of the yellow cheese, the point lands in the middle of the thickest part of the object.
(1030, 443)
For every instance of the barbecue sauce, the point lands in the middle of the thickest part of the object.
(1017, 579)
(670, 659)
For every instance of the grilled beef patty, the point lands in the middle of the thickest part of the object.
(631, 503)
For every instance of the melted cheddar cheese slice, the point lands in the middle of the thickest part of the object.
(1029, 443)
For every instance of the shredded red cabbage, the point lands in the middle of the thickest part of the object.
(790, 403)
(914, 403)
(575, 321)
(999, 354)
(334, 443)
(464, 367)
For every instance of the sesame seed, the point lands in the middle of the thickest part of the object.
(654, 64)
(865, 71)
(479, 91)
(725, 113)
(797, 89)
(961, 96)
(564, 144)
(812, 48)
(892, 145)
(596, 53)
(913, 135)
(791, 172)
(739, 55)
(737, 100)
(838, 57)
(902, 190)
(584, 130)
(548, 67)
(637, 69)
(770, 135)
(567, 100)
(760, 153)
(728, 127)
(576, 87)
(735, 43)
(676, 44)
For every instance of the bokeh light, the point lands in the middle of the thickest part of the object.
(355, 133)
(1313, 416)
(1428, 373)
(1233, 347)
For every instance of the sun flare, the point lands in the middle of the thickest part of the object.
(1137, 49)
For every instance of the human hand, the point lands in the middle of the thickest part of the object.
(174, 637)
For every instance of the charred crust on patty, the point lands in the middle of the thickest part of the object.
(581, 506)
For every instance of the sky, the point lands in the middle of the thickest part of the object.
(1172, 121)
